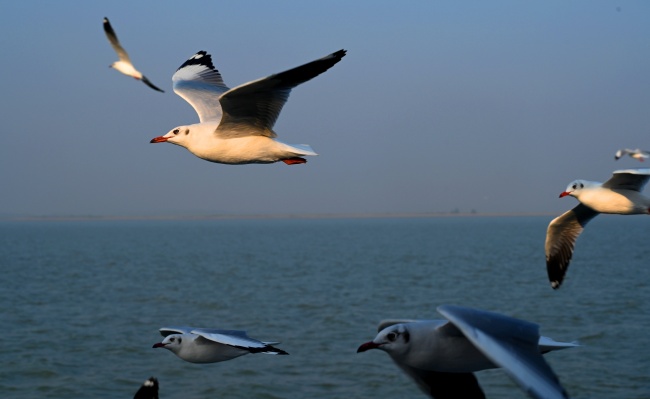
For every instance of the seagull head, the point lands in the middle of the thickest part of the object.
(574, 188)
(172, 342)
(178, 136)
(392, 339)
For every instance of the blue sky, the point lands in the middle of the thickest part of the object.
(493, 106)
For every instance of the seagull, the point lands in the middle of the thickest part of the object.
(621, 194)
(236, 125)
(637, 154)
(204, 345)
(124, 65)
(148, 389)
(442, 355)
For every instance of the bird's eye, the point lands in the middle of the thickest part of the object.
(391, 336)
(175, 131)
(574, 186)
(172, 339)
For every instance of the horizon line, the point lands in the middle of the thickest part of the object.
(218, 216)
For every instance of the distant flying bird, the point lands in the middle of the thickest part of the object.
(236, 125)
(203, 345)
(637, 154)
(621, 194)
(148, 389)
(124, 65)
(442, 355)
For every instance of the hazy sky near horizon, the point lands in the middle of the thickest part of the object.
(493, 106)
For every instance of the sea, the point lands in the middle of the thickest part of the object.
(82, 301)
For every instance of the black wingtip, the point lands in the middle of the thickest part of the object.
(148, 83)
(337, 55)
(556, 273)
(200, 58)
(280, 351)
(148, 390)
(267, 349)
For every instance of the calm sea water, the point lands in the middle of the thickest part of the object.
(82, 302)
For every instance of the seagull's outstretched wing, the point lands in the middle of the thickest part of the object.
(561, 236)
(258, 103)
(200, 84)
(628, 179)
(511, 344)
(148, 83)
(112, 38)
(621, 153)
(238, 339)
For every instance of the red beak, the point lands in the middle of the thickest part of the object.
(367, 346)
(158, 345)
(159, 139)
(562, 194)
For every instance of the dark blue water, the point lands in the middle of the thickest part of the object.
(81, 302)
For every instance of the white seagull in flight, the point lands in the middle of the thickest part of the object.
(621, 195)
(638, 154)
(124, 65)
(236, 125)
(205, 345)
(442, 355)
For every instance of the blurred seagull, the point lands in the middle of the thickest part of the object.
(236, 125)
(148, 389)
(621, 194)
(442, 355)
(637, 154)
(203, 345)
(124, 65)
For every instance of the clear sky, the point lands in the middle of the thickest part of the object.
(487, 105)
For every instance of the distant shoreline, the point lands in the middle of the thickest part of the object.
(404, 215)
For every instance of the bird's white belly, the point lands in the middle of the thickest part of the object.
(211, 353)
(126, 68)
(251, 149)
(622, 202)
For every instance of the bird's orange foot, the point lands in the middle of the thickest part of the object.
(294, 161)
